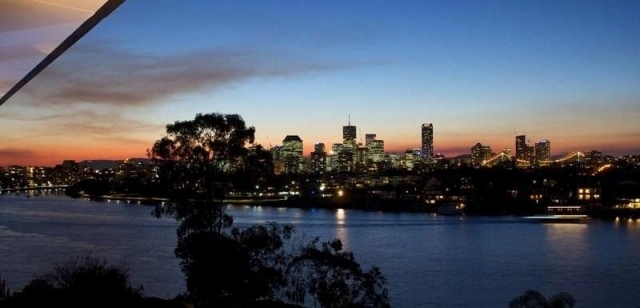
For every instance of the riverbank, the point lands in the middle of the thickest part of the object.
(385, 205)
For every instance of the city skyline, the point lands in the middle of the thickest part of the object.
(481, 72)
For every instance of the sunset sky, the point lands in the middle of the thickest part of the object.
(480, 71)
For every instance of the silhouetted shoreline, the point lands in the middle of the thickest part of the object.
(384, 205)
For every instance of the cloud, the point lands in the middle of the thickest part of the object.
(103, 75)
(108, 124)
(20, 15)
(12, 153)
(13, 53)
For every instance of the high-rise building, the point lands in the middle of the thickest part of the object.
(427, 142)
(543, 152)
(368, 139)
(361, 158)
(480, 153)
(291, 154)
(524, 152)
(521, 147)
(349, 136)
(376, 150)
(318, 159)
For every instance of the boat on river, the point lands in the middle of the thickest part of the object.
(451, 208)
(561, 213)
(571, 218)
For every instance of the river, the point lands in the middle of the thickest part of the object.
(429, 260)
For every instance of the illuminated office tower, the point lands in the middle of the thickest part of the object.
(368, 139)
(376, 150)
(318, 159)
(427, 142)
(361, 156)
(524, 152)
(543, 152)
(349, 136)
(291, 153)
(480, 153)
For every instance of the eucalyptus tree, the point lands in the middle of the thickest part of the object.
(196, 159)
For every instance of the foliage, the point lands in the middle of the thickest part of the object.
(534, 299)
(334, 279)
(85, 281)
(196, 158)
(248, 264)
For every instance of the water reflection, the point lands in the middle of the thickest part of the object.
(341, 229)
(563, 236)
(340, 216)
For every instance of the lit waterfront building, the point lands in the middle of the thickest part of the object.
(427, 142)
(480, 153)
(543, 152)
(291, 154)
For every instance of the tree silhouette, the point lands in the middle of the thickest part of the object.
(334, 279)
(535, 299)
(197, 157)
(81, 282)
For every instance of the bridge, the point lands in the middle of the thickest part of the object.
(571, 157)
(496, 159)
(575, 156)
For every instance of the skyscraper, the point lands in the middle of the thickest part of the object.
(427, 142)
(522, 149)
(543, 152)
(349, 136)
(368, 138)
(291, 153)
(480, 153)
(376, 150)
(318, 159)
(524, 152)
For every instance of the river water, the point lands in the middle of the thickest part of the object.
(429, 260)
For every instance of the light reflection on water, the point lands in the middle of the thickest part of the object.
(429, 260)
